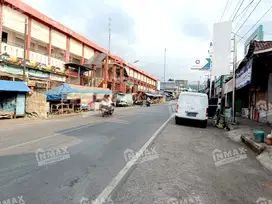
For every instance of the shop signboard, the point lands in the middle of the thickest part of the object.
(243, 76)
(258, 34)
(38, 74)
(228, 87)
(13, 70)
(55, 77)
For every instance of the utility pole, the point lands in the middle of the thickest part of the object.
(24, 72)
(234, 77)
(198, 86)
(164, 63)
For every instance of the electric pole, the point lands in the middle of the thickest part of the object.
(164, 63)
(24, 72)
(234, 77)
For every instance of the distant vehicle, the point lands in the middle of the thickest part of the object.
(123, 100)
(192, 106)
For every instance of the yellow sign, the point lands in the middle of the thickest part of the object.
(105, 86)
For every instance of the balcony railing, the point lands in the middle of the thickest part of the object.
(12, 50)
(56, 62)
(37, 57)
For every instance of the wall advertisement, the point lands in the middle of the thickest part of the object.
(243, 76)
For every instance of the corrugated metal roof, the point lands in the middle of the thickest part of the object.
(15, 86)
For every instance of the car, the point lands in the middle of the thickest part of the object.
(192, 106)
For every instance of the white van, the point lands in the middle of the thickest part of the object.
(192, 106)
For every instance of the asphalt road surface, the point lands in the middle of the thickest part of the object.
(197, 166)
(61, 161)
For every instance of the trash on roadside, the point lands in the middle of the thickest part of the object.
(258, 136)
(268, 139)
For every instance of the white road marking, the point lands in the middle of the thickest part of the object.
(113, 185)
(50, 136)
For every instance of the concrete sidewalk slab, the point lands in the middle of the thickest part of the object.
(243, 132)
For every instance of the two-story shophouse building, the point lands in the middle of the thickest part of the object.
(56, 54)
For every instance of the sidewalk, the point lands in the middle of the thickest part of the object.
(244, 131)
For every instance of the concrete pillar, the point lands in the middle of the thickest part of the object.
(82, 55)
(114, 76)
(121, 78)
(105, 70)
(28, 38)
(67, 51)
(49, 46)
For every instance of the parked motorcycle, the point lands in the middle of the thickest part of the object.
(106, 110)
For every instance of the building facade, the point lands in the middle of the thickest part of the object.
(56, 54)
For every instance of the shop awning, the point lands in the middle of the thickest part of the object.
(153, 95)
(61, 92)
(16, 86)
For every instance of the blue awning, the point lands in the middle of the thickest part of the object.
(153, 95)
(61, 91)
(16, 86)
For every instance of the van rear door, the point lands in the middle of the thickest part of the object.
(193, 106)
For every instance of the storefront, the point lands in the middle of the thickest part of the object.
(242, 95)
(12, 98)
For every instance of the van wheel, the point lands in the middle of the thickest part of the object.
(204, 124)
(177, 120)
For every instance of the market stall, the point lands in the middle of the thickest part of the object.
(70, 97)
(12, 98)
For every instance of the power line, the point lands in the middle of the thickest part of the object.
(244, 10)
(244, 13)
(227, 3)
(248, 16)
(257, 22)
(237, 9)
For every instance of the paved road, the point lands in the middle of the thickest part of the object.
(92, 149)
(185, 171)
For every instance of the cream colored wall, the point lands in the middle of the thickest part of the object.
(75, 47)
(39, 31)
(13, 19)
(88, 52)
(58, 40)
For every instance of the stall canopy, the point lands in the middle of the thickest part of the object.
(153, 95)
(63, 90)
(16, 86)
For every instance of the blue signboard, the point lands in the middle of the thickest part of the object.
(243, 76)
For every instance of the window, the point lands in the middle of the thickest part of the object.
(4, 37)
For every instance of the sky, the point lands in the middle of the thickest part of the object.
(142, 29)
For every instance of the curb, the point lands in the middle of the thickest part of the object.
(258, 148)
(110, 192)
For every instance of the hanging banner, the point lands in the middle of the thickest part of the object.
(55, 77)
(228, 87)
(243, 77)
